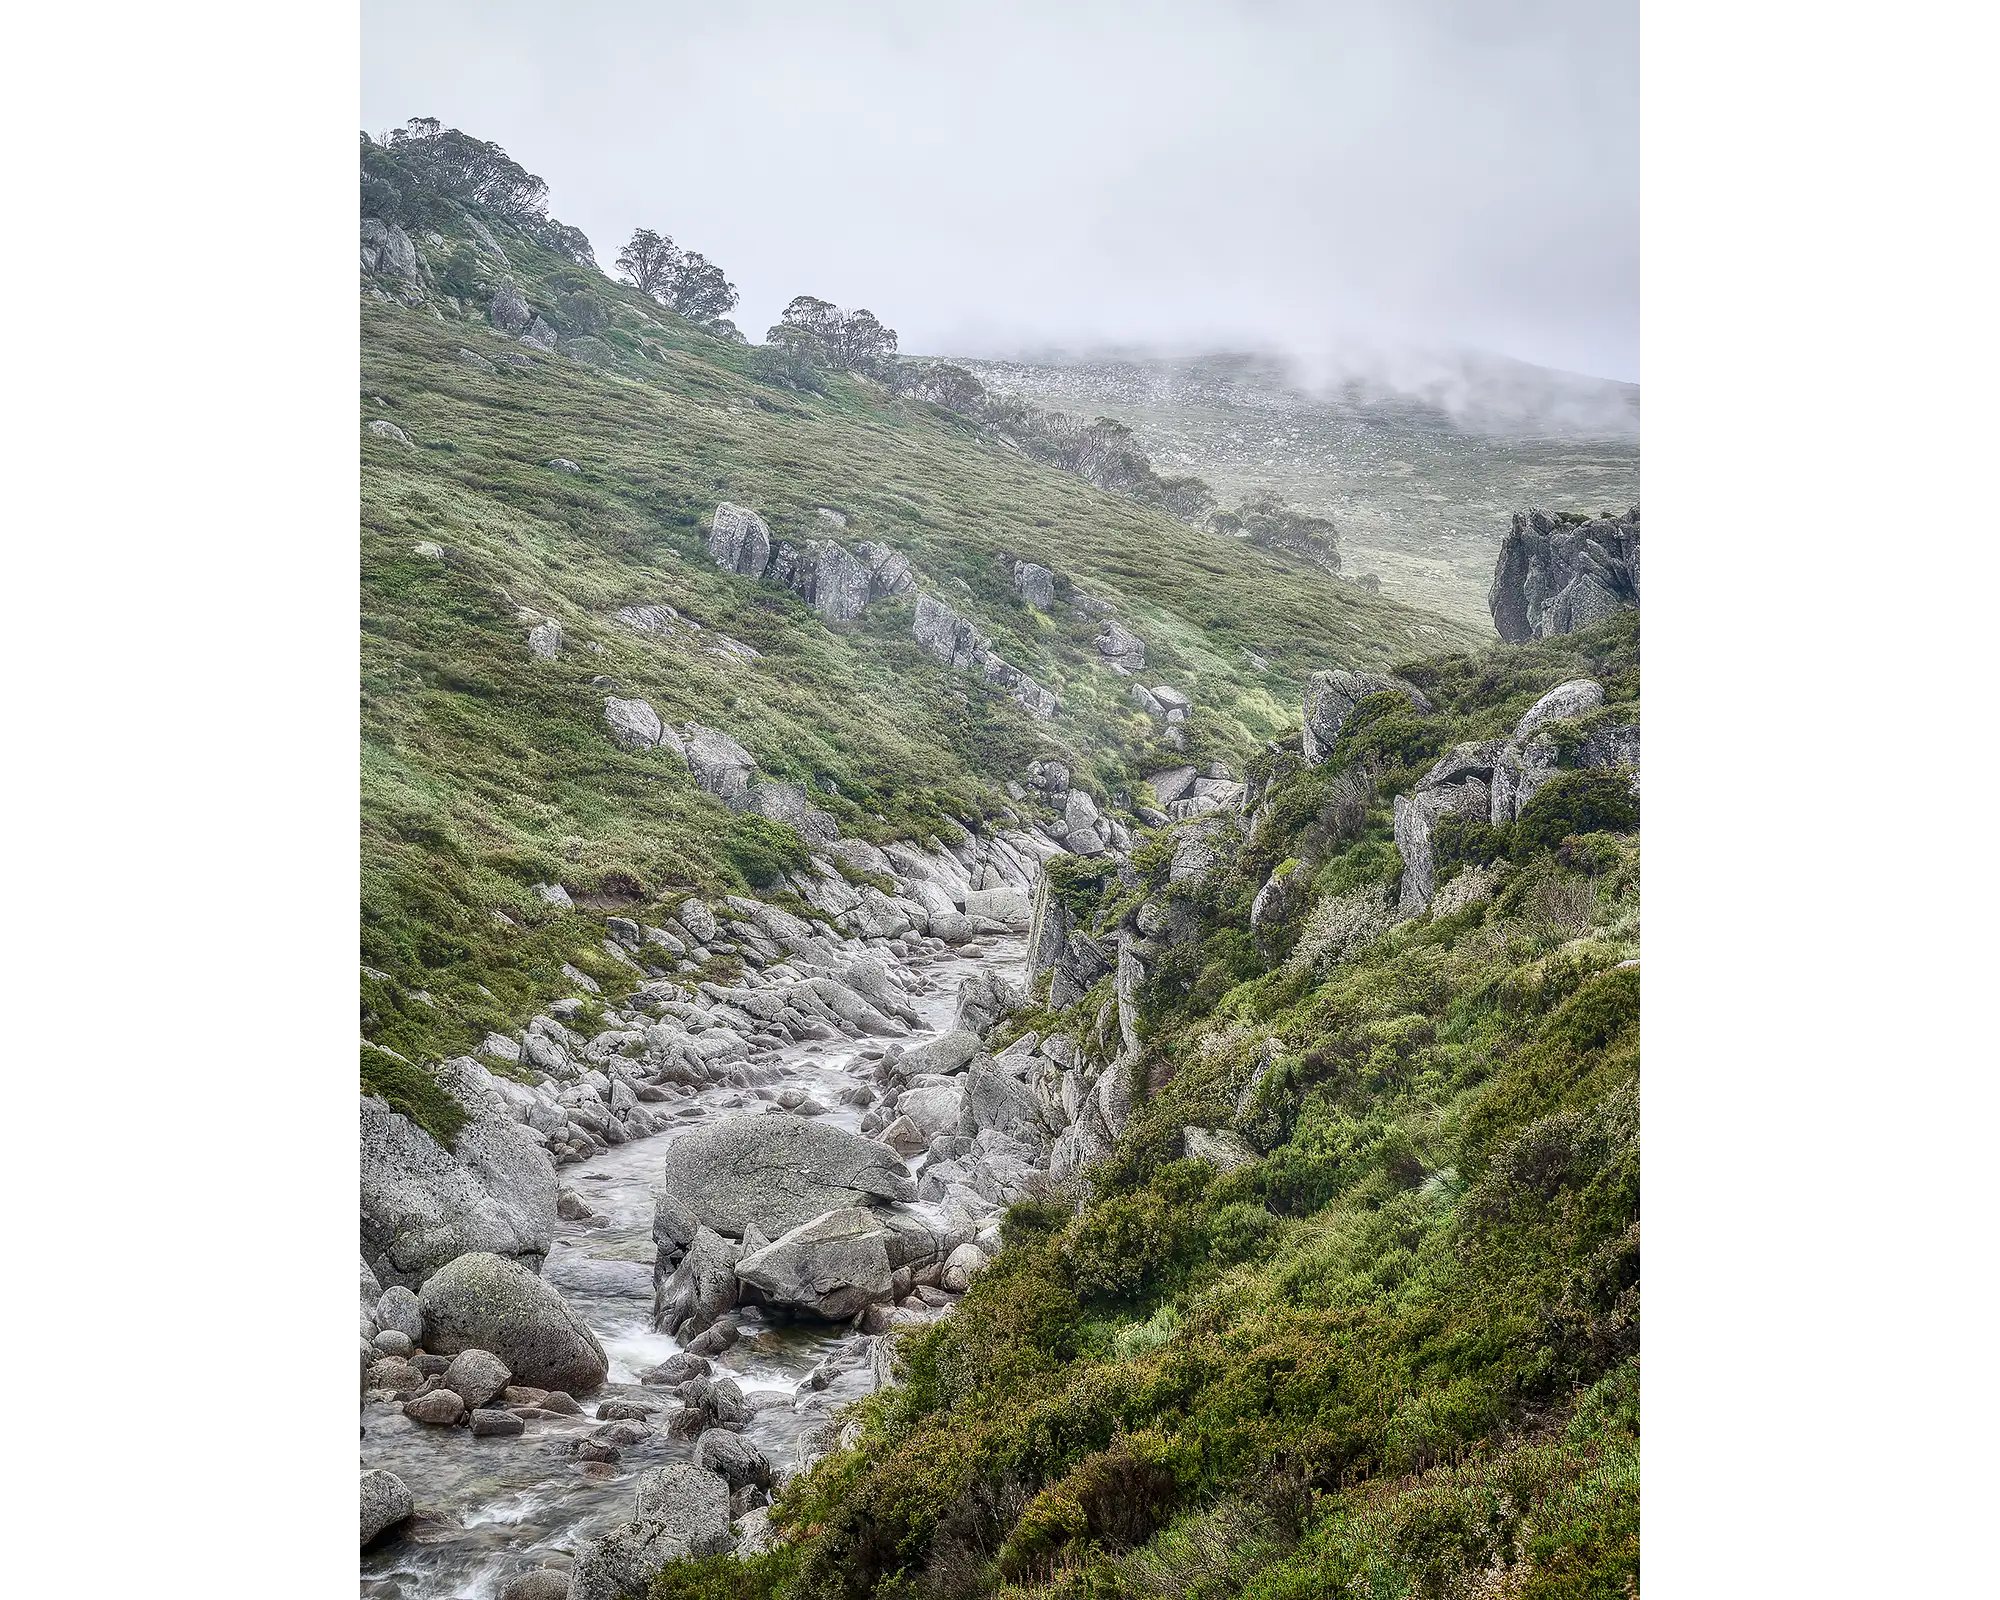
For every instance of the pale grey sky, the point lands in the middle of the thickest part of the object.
(987, 178)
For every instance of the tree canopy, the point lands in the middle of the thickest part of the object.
(829, 336)
(686, 282)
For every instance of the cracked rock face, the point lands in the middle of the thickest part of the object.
(739, 541)
(1554, 577)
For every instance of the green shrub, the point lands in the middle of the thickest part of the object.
(412, 1091)
(1589, 800)
(1388, 730)
(1077, 881)
(1459, 841)
(1592, 854)
(760, 849)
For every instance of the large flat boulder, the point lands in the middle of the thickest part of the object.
(777, 1171)
(422, 1204)
(833, 1266)
(485, 1302)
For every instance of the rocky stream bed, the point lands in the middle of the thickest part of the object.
(491, 1511)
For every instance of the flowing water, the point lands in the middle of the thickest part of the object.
(489, 1508)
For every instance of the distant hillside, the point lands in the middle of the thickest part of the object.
(572, 475)
(1418, 462)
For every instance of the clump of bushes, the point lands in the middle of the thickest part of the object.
(412, 1091)
(1587, 800)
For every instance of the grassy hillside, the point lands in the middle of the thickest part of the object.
(1420, 485)
(485, 772)
(1393, 1353)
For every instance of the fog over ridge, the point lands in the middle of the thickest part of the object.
(1348, 176)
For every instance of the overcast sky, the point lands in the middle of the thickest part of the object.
(990, 178)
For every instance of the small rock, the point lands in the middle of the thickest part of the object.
(394, 1342)
(393, 1374)
(593, 1450)
(476, 1376)
(625, 1411)
(563, 464)
(676, 1369)
(489, 1423)
(440, 1408)
(560, 1403)
(389, 431)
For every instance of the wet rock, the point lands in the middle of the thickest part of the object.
(831, 1266)
(385, 1502)
(594, 1450)
(521, 1394)
(622, 1434)
(701, 1287)
(708, 1403)
(440, 1408)
(561, 1403)
(482, 1301)
(625, 1411)
(488, 1423)
(476, 1376)
(733, 1458)
(778, 1171)
(681, 1510)
(546, 1583)
(676, 1369)
(572, 1207)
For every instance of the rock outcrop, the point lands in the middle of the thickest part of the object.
(739, 541)
(836, 582)
(421, 1204)
(1557, 574)
(957, 642)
